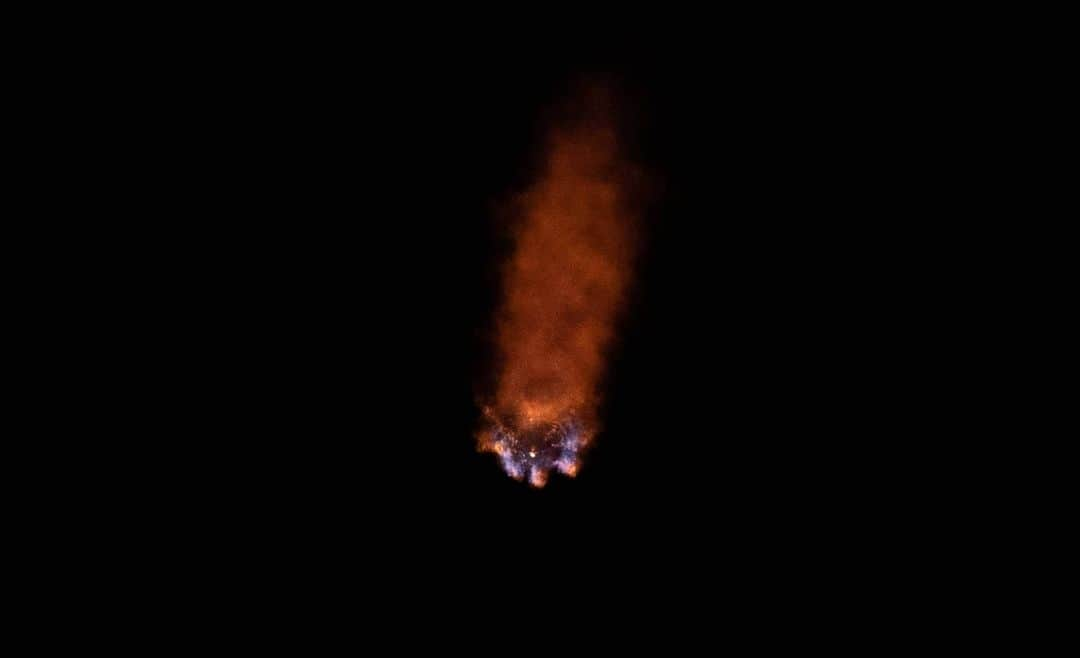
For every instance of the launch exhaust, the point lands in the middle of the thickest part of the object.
(563, 288)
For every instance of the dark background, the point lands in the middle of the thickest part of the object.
(345, 250)
(284, 249)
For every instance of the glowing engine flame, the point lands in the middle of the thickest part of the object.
(563, 289)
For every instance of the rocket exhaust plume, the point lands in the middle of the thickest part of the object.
(562, 290)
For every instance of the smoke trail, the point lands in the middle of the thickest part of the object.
(563, 288)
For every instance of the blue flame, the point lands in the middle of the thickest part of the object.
(537, 451)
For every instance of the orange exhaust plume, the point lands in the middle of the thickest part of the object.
(563, 289)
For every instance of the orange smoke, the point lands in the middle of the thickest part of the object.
(563, 289)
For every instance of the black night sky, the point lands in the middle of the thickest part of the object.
(354, 273)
